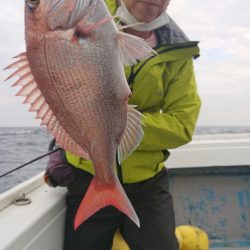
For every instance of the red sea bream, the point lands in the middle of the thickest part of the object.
(72, 75)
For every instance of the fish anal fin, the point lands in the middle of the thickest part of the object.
(132, 48)
(100, 195)
(65, 141)
(132, 135)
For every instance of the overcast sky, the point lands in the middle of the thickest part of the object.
(222, 71)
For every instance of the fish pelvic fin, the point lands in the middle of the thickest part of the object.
(100, 195)
(132, 135)
(132, 48)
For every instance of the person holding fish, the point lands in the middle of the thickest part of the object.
(115, 124)
(164, 90)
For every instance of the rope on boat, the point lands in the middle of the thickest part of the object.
(51, 151)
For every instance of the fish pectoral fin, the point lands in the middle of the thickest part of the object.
(132, 48)
(132, 135)
(100, 195)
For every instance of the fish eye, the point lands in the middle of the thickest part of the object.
(32, 4)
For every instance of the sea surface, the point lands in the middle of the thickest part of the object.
(19, 145)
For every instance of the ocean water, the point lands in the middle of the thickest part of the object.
(21, 144)
(18, 146)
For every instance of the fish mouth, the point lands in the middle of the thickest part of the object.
(65, 14)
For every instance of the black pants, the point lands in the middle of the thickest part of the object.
(152, 203)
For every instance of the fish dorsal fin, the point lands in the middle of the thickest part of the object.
(132, 48)
(132, 135)
(34, 97)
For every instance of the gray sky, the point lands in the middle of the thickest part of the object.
(222, 71)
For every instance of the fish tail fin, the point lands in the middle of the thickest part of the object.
(100, 195)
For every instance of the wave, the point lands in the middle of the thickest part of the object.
(21, 131)
(16, 132)
(208, 130)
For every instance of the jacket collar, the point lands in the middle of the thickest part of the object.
(170, 33)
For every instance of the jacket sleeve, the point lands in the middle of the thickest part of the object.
(175, 124)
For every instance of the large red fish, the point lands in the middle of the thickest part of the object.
(72, 75)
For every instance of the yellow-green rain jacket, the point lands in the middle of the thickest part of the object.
(164, 90)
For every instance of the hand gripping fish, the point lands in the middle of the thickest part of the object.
(73, 76)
